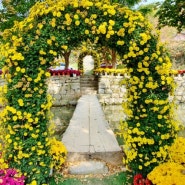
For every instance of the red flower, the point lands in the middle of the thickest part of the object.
(140, 180)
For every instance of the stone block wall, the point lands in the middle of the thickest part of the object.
(110, 90)
(180, 88)
(66, 90)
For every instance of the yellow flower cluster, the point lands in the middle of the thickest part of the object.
(3, 89)
(149, 128)
(177, 151)
(58, 152)
(3, 164)
(171, 172)
(110, 71)
(168, 173)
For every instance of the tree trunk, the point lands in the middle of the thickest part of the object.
(66, 58)
(105, 60)
(113, 58)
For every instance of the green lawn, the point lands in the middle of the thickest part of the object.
(122, 178)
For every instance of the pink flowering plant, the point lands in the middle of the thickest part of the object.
(11, 177)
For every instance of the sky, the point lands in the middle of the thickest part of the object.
(0, 4)
(151, 1)
(143, 2)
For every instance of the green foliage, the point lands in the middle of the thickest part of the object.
(172, 13)
(14, 10)
(128, 3)
(148, 9)
(150, 127)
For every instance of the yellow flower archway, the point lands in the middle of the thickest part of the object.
(54, 26)
(95, 56)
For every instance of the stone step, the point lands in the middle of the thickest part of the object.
(83, 87)
(88, 167)
(90, 77)
(88, 87)
(88, 90)
(87, 84)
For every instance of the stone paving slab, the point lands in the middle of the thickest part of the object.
(88, 167)
(89, 135)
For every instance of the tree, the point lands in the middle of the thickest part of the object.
(172, 13)
(112, 52)
(17, 10)
(128, 3)
(149, 8)
(14, 10)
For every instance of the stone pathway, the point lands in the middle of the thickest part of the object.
(90, 141)
(89, 137)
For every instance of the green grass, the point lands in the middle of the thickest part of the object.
(122, 178)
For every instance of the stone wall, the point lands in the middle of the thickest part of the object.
(110, 90)
(180, 89)
(66, 90)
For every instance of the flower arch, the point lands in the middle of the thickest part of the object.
(95, 56)
(54, 26)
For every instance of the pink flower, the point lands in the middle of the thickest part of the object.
(8, 177)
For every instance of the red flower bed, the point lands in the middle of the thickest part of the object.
(64, 72)
(181, 71)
